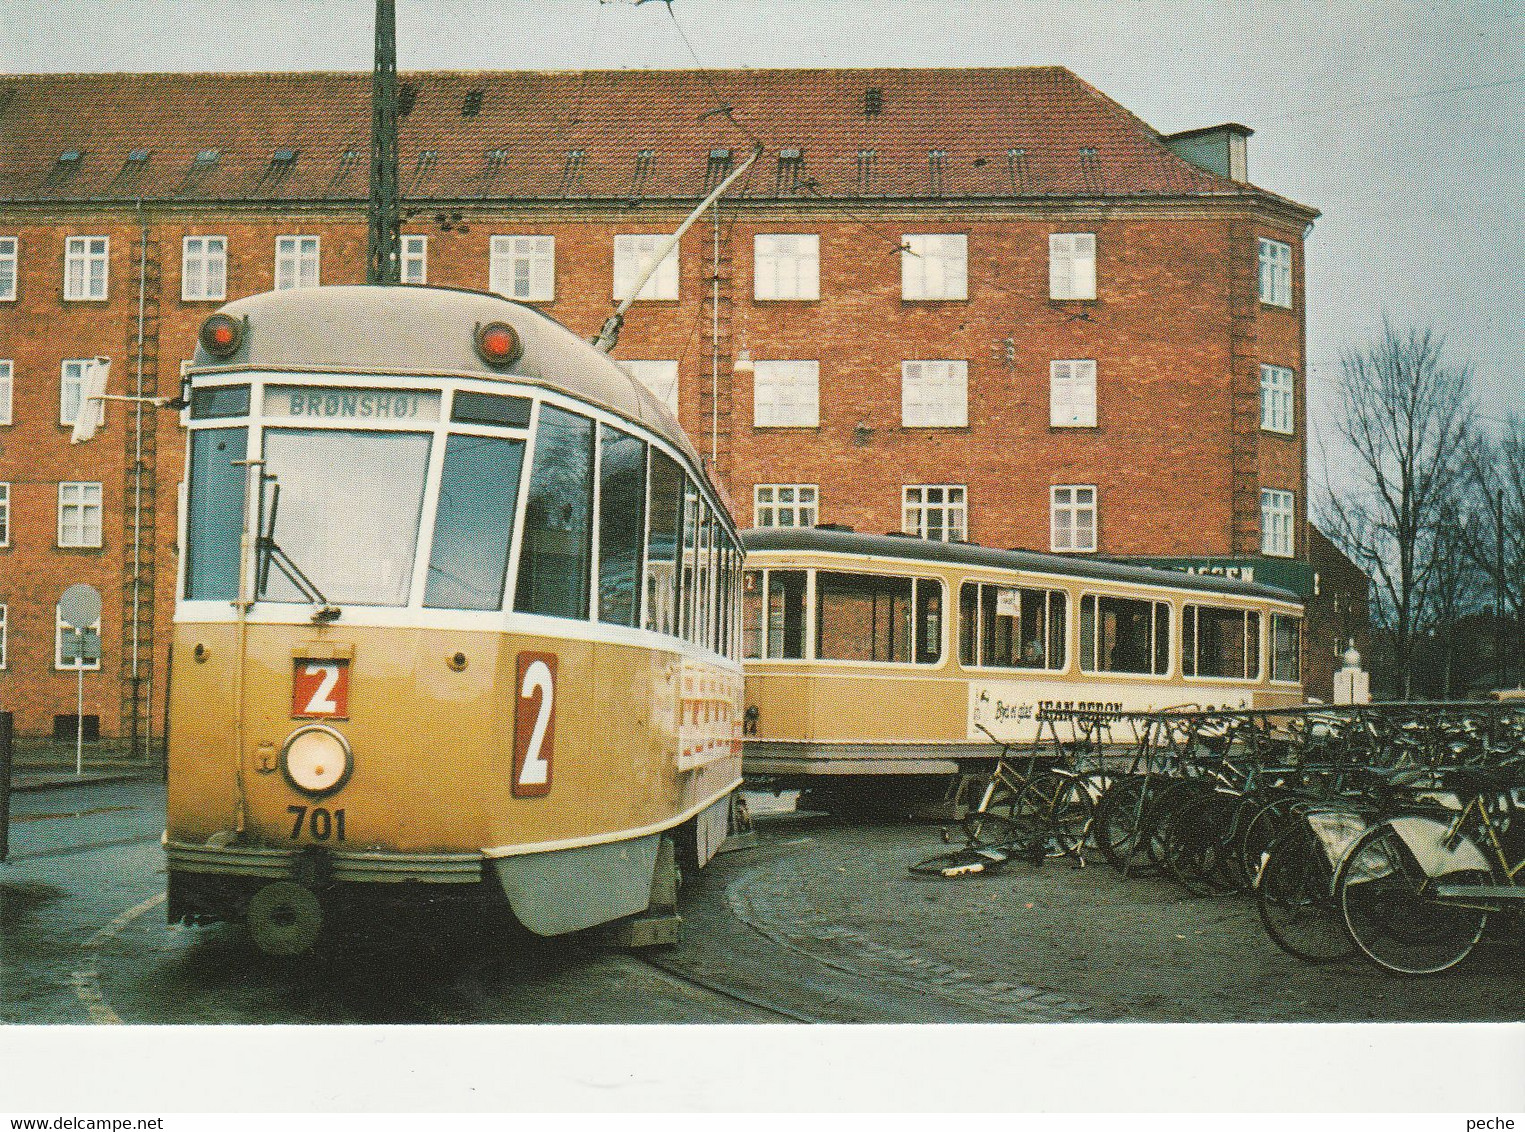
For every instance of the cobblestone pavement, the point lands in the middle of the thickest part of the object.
(1057, 943)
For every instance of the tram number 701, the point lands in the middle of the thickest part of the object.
(320, 822)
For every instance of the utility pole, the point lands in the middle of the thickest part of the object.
(383, 254)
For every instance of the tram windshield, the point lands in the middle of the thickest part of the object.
(350, 504)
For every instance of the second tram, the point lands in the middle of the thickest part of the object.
(874, 658)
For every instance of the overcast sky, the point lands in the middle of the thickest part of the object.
(1400, 121)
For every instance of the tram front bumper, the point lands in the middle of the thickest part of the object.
(346, 866)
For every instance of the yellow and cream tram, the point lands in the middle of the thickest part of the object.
(457, 607)
(872, 656)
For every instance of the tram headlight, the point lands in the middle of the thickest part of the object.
(316, 760)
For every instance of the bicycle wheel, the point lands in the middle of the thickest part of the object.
(1267, 823)
(1060, 810)
(1294, 898)
(1119, 819)
(998, 822)
(1179, 793)
(1388, 903)
(1195, 838)
(961, 862)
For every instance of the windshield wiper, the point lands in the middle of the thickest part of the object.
(268, 551)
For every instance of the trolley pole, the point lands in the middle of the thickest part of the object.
(383, 242)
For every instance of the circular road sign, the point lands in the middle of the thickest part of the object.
(80, 606)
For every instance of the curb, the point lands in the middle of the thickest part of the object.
(25, 786)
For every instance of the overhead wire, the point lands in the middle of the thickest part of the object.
(1389, 100)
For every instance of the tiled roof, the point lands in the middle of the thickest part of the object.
(1032, 132)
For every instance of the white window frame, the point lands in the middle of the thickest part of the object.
(1276, 387)
(915, 505)
(660, 377)
(786, 394)
(1072, 265)
(934, 267)
(1081, 500)
(87, 263)
(785, 267)
(10, 262)
(631, 253)
(1275, 273)
(198, 255)
(73, 535)
(1072, 393)
(413, 253)
(768, 504)
(294, 255)
(5, 514)
(1278, 511)
(59, 663)
(934, 394)
(72, 375)
(7, 390)
(536, 254)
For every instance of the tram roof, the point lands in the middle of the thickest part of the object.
(962, 553)
(430, 331)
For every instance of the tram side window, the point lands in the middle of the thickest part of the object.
(863, 617)
(703, 576)
(1286, 651)
(215, 513)
(621, 524)
(474, 522)
(1220, 642)
(662, 544)
(929, 621)
(1008, 627)
(686, 565)
(1119, 634)
(724, 595)
(786, 614)
(555, 552)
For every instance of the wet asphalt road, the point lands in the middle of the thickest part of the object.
(819, 922)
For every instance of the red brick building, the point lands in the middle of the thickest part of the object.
(989, 304)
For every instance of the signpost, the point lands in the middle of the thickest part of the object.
(80, 607)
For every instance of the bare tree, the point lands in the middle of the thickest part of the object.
(1405, 421)
(1495, 532)
(1455, 591)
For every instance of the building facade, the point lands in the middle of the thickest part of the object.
(980, 304)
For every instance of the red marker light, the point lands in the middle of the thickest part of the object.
(221, 335)
(498, 344)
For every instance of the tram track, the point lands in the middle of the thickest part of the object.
(720, 990)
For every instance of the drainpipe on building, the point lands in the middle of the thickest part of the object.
(715, 344)
(137, 491)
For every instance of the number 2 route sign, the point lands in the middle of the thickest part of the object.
(320, 689)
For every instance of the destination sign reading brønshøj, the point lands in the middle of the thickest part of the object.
(325, 403)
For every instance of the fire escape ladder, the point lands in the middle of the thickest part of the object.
(715, 392)
(140, 518)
